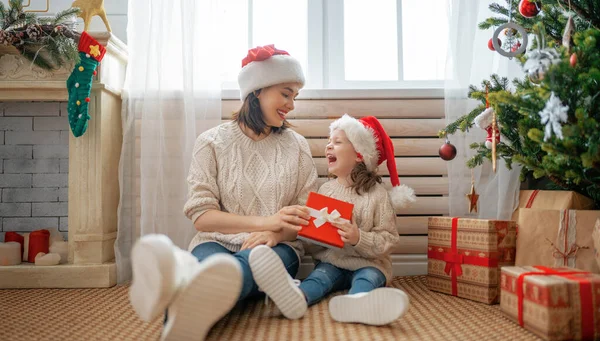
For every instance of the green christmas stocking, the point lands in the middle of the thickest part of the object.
(79, 84)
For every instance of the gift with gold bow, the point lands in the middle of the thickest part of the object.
(323, 212)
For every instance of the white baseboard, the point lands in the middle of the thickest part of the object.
(402, 265)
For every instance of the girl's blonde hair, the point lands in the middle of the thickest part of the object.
(362, 179)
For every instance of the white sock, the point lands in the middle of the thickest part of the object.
(159, 269)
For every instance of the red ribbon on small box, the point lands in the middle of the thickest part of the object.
(454, 260)
(585, 296)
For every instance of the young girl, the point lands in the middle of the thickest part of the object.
(355, 149)
(247, 180)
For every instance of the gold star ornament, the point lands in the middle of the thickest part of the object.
(473, 198)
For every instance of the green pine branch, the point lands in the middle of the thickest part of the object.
(47, 42)
(65, 15)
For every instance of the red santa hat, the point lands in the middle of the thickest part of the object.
(265, 66)
(374, 146)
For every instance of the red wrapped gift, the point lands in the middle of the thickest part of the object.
(15, 237)
(39, 241)
(554, 303)
(323, 211)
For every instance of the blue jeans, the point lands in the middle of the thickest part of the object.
(327, 278)
(249, 288)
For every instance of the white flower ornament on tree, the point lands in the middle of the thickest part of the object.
(552, 115)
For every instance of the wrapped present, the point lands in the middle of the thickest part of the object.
(465, 256)
(554, 303)
(596, 241)
(557, 238)
(552, 200)
(323, 211)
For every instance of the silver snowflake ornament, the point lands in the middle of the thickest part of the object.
(553, 114)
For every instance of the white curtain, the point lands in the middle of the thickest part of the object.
(469, 62)
(172, 94)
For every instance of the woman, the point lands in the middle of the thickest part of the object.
(247, 183)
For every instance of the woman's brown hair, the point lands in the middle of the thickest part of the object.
(362, 178)
(251, 116)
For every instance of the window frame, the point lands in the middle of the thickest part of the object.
(325, 53)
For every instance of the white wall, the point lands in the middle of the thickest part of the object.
(116, 11)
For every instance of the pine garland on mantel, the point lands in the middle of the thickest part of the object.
(48, 42)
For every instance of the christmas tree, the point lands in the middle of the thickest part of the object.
(550, 120)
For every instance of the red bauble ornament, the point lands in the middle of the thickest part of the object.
(95, 73)
(529, 9)
(491, 44)
(87, 99)
(447, 151)
(573, 60)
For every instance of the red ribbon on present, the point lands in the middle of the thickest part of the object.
(454, 260)
(585, 296)
(531, 198)
(261, 53)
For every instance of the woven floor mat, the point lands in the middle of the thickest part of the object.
(105, 314)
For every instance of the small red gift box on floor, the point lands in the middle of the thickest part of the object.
(324, 210)
(554, 303)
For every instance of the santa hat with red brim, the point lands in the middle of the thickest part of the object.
(375, 146)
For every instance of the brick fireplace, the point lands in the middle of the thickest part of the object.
(34, 166)
(50, 178)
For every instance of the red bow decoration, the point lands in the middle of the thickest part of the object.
(261, 53)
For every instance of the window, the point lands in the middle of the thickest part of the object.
(343, 44)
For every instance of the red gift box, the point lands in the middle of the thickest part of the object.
(39, 241)
(15, 237)
(324, 210)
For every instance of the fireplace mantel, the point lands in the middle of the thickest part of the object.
(93, 168)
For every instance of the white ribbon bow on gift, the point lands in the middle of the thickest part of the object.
(324, 217)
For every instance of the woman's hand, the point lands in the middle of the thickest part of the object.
(267, 238)
(289, 217)
(349, 232)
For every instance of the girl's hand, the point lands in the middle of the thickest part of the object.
(289, 217)
(349, 232)
(267, 238)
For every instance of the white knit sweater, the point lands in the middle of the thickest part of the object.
(233, 173)
(376, 221)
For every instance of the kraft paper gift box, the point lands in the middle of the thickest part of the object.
(552, 200)
(465, 256)
(557, 238)
(324, 210)
(553, 303)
